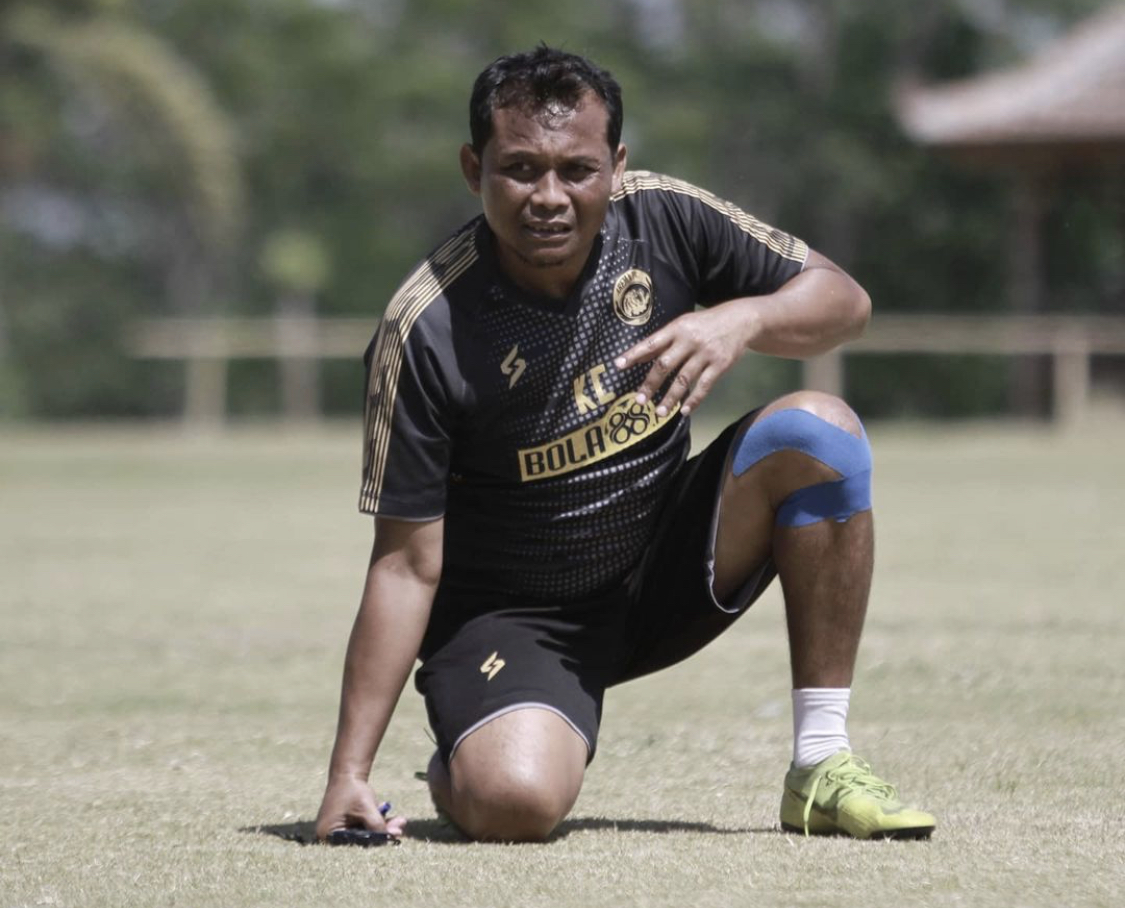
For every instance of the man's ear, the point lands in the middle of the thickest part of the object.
(619, 160)
(470, 167)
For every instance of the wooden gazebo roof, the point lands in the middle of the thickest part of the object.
(1067, 101)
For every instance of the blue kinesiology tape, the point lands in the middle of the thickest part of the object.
(800, 430)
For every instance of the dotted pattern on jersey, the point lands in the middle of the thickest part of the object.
(523, 381)
(560, 347)
(578, 532)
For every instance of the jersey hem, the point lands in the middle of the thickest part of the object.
(381, 513)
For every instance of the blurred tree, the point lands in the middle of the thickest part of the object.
(297, 265)
(147, 146)
(120, 155)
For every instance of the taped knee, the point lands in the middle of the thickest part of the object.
(800, 430)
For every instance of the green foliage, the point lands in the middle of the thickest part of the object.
(195, 140)
(161, 103)
(295, 261)
(66, 331)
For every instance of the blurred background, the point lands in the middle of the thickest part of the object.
(206, 204)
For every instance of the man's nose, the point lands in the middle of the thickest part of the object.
(549, 192)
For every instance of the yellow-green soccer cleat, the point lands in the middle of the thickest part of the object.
(841, 795)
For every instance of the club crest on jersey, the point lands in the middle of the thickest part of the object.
(632, 297)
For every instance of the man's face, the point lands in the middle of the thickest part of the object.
(545, 179)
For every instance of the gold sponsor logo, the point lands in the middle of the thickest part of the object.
(624, 424)
(589, 392)
(632, 297)
(492, 665)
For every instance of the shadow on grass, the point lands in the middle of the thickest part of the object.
(303, 832)
(596, 824)
(433, 830)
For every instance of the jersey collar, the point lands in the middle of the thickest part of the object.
(506, 289)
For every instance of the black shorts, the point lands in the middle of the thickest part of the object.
(482, 659)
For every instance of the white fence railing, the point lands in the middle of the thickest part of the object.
(207, 345)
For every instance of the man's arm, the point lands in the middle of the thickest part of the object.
(401, 579)
(816, 310)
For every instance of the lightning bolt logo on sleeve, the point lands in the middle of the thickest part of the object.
(513, 366)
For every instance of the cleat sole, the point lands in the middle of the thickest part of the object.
(908, 834)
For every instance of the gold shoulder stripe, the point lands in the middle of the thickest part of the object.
(778, 241)
(441, 268)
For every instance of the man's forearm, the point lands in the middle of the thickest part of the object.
(381, 651)
(819, 309)
(811, 313)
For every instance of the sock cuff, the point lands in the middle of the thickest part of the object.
(820, 716)
(812, 695)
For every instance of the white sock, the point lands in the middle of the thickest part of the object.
(820, 718)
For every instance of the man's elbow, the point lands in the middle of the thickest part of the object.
(860, 313)
(426, 568)
(410, 550)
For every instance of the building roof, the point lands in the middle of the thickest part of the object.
(1068, 98)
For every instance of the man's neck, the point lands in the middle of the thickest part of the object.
(552, 281)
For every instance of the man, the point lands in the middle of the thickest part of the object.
(540, 534)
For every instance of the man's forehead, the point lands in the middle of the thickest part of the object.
(556, 111)
(525, 120)
(551, 115)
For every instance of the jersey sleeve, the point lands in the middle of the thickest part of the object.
(731, 252)
(406, 439)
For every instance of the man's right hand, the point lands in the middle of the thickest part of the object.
(350, 803)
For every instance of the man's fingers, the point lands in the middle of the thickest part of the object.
(668, 364)
(657, 375)
(687, 356)
(644, 351)
(689, 387)
(678, 389)
(380, 822)
(700, 390)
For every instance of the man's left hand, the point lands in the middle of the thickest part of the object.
(693, 350)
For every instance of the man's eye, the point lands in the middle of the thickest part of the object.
(519, 169)
(576, 172)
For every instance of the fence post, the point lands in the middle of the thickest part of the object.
(205, 397)
(299, 366)
(824, 373)
(1070, 375)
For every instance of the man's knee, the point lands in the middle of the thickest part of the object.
(509, 803)
(827, 407)
(825, 430)
(517, 776)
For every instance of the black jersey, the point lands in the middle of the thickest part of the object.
(503, 412)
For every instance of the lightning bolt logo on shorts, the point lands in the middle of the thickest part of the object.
(492, 665)
(513, 366)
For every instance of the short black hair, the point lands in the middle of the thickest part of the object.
(534, 79)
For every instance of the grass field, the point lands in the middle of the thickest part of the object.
(174, 612)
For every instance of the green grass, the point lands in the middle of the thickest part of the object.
(174, 611)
